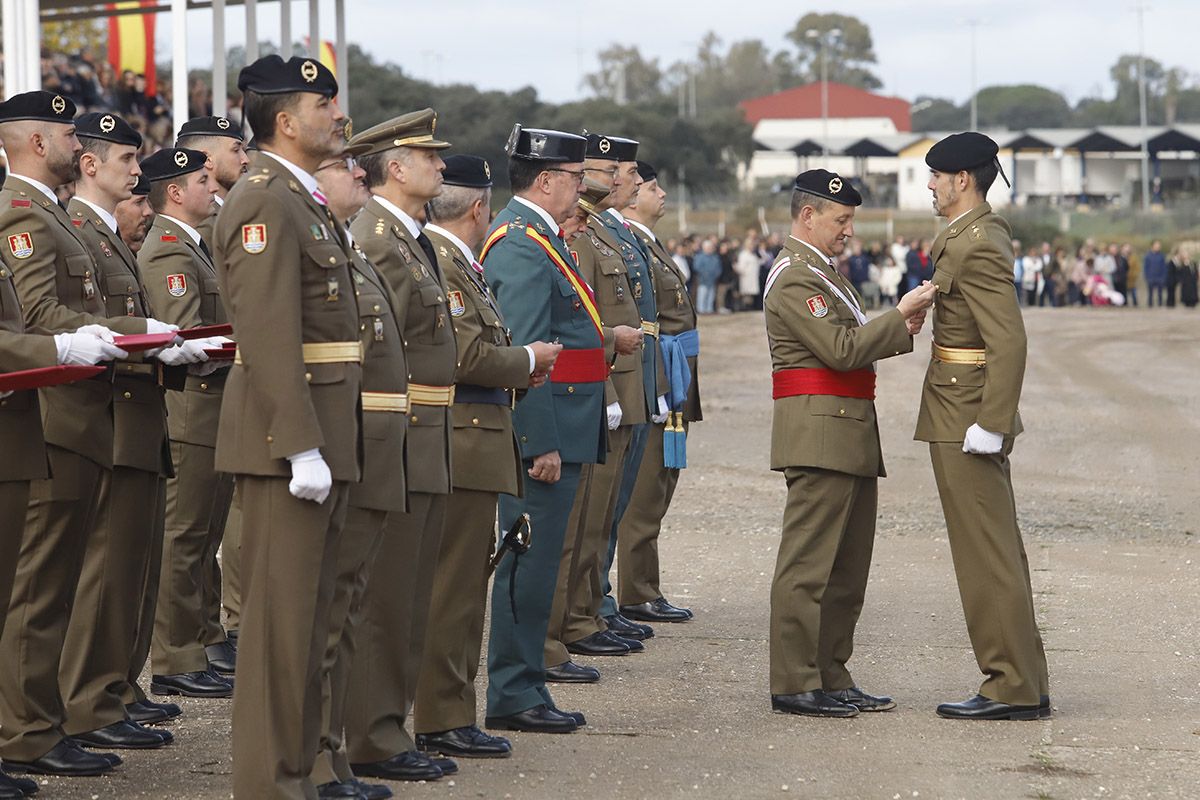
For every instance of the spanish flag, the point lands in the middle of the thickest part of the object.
(328, 55)
(131, 42)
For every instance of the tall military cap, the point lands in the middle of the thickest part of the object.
(172, 162)
(108, 127)
(964, 151)
(612, 148)
(464, 170)
(647, 172)
(38, 105)
(211, 126)
(829, 185)
(142, 187)
(272, 75)
(541, 144)
(414, 129)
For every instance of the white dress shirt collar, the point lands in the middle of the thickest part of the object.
(541, 212)
(306, 180)
(411, 224)
(43, 188)
(466, 251)
(192, 233)
(643, 229)
(824, 258)
(108, 218)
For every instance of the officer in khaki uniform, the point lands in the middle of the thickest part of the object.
(969, 417)
(290, 427)
(486, 463)
(404, 172)
(182, 281)
(641, 597)
(825, 439)
(60, 289)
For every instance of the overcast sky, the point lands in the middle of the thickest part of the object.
(922, 48)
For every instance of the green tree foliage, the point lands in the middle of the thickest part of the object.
(850, 53)
(1022, 106)
(939, 114)
(624, 76)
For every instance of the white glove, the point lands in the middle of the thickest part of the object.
(4, 395)
(311, 479)
(614, 416)
(86, 347)
(98, 330)
(190, 352)
(982, 442)
(663, 410)
(154, 326)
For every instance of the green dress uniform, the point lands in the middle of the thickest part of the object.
(637, 541)
(181, 279)
(107, 646)
(383, 683)
(825, 439)
(486, 464)
(975, 377)
(542, 298)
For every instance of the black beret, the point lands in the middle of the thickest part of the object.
(647, 172)
(272, 75)
(539, 144)
(829, 185)
(962, 151)
(611, 148)
(142, 187)
(108, 127)
(38, 105)
(465, 170)
(210, 126)
(172, 162)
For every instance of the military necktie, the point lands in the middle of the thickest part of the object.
(427, 246)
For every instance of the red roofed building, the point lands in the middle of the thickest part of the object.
(845, 102)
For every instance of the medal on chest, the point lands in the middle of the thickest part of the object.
(378, 329)
(129, 307)
(331, 289)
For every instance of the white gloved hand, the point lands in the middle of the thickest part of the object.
(982, 442)
(203, 369)
(4, 395)
(311, 478)
(154, 326)
(614, 416)
(663, 410)
(98, 330)
(86, 348)
(190, 352)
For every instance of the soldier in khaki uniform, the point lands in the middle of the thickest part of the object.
(486, 463)
(641, 597)
(825, 439)
(969, 417)
(290, 427)
(181, 279)
(404, 172)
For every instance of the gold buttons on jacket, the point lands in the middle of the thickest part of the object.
(377, 306)
(842, 411)
(308, 377)
(954, 380)
(270, 438)
(525, 439)
(332, 260)
(204, 386)
(570, 390)
(413, 418)
(475, 420)
(128, 395)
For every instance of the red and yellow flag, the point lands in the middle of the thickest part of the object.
(131, 42)
(328, 54)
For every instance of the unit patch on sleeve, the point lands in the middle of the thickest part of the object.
(177, 284)
(455, 300)
(254, 238)
(816, 304)
(21, 245)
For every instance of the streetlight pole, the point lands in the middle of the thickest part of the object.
(1141, 13)
(813, 33)
(974, 23)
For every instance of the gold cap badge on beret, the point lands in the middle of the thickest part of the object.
(835, 185)
(308, 71)
(222, 123)
(107, 123)
(605, 145)
(58, 104)
(181, 159)
(487, 170)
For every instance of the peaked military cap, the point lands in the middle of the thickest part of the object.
(964, 151)
(647, 172)
(272, 75)
(142, 187)
(593, 192)
(829, 185)
(414, 129)
(612, 148)
(38, 105)
(210, 126)
(540, 144)
(172, 162)
(108, 127)
(464, 170)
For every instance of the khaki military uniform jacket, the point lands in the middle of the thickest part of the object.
(285, 282)
(20, 413)
(181, 280)
(601, 265)
(428, 338)
(139, 409)
(60, 290)
(487, 457)
(837, 433)
(385, 372)
(208, 226)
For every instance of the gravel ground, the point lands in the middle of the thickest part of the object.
(1107, 479)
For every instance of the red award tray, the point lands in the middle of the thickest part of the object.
(205, 331)
(45, 376)
(143, 341)
(220, 353)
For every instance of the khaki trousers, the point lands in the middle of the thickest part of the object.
(453, 643)
(577, 596)
(14, 499)
(289, 564)
(820, 578)
(102, 637)
(228, 573)
(197, 504)
(133, 691)
(391, 639)
(637, 537)
(214, 631)
(59, 519)
(992, 571)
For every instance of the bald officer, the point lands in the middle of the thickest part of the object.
(969, 417)
(825, 439)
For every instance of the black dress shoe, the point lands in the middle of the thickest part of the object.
(337, 790)
(191, 684)
(372, 791)
(124, 735)
(628, 629)
(861, 700)
(811, 704)
(657, 610)
(113, 759)
(232, 638)
(448, 766)
(147, 711)
(539, 719)
(633, 644)
(570, 672)
(9, 789)
(1044, 709)
(465, 742)
(27, 787)
(598, 644)
(66, 759)
(222, 658)
(578, 716)
(411, 765)
(980, 707)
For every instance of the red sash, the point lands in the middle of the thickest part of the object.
(859, 383)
